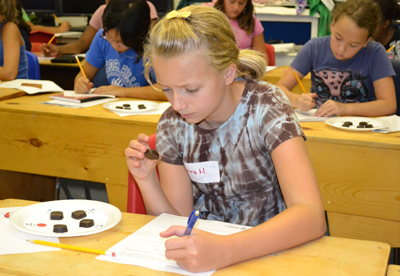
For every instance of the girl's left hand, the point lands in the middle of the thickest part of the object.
(200, 251)
(330, 108)
(111, 90)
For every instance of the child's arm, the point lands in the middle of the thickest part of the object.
(302, 221)
(79, 46)
(82, 84)
(287, 82)
(143, 92)
(64, 27)
(174, 187)
(11, 38)
(258, 44)
(385, 103)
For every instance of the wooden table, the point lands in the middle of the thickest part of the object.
(275, 75)
(358, 172)
(86, 144)
(324, 256)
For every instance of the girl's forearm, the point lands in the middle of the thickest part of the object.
(145, 92)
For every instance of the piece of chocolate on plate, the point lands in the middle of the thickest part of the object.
(141, 106)
(151, 154)
(79, 214)
(86, 223)
(56, 215)
(60, 228)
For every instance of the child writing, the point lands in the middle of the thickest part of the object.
(242, 133)
(388, 33)
(83, 43)
(13, 59)
(247, 28)
(350, 74)
(119, 46)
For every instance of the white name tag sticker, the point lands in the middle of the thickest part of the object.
(203, 172)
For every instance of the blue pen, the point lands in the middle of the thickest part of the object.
(191, 221)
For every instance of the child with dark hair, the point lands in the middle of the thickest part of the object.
(119, 46)
(388, 33)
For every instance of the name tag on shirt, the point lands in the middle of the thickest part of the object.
(203, 172)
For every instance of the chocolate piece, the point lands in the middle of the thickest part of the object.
(369, 126)
(60, 228)
(348, 123)
(361, 126)
(151, 154)
(119, 107)
(363, 123)
(126, 105)
(345, 125)
(141, 106)
(56, 215)
(127, 108)
(86, 223)
(78, 214)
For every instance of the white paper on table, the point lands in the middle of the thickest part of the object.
(78, 105)
(146, 248)
(394, 124)
(14, 241)
(47, 86)
(308, 116)
(270, 68)
(160, 110)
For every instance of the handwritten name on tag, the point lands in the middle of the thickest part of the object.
(203, 172)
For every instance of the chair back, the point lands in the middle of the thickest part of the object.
(271, 54)
(135, 201)
(396, 80)
(33, 66)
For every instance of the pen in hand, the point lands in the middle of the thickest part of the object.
(191, 221)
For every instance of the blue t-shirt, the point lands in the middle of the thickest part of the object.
(345, 81)
(23, 59)
(121, 68)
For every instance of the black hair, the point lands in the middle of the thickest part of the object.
(390, 10)
(131, 19)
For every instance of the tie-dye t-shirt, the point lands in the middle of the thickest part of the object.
(231, 169)
(344, 81)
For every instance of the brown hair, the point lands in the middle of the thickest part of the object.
(245, 19)
(8, 10)
(365, 13)
(208, 30)
(390, 10)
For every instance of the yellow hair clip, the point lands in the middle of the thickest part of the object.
(176, 14)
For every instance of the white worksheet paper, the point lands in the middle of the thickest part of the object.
(146, 248)
(394, 124)
(308, 116)
(14, 241)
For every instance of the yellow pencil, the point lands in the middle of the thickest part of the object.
(299, 81)
(80, 66)
(56, 18)
(54, 36)
(73, 247)
(391, 48)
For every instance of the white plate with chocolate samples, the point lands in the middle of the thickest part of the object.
(66, 218)
(131, 107)
(356, 123)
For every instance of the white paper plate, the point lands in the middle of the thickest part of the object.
(134, 106)
(338, 122)
(35, 219)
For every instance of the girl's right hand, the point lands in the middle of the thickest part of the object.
(49, 50)
(82, 85)
(306, 101)
(139, 166)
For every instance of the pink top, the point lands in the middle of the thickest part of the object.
(97, 23)
(244, 40)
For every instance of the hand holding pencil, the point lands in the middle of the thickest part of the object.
(306, 100)
(82, 83)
